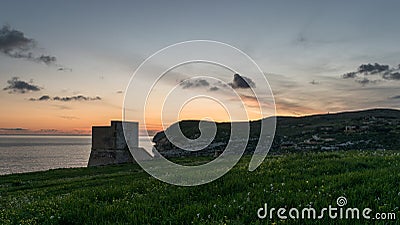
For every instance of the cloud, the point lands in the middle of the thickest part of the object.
(214, 88)
(64, 69)
(250, 101)
(15, 44)
(395, 97)
(253, 101)
(60, 107)
(48, 130)
(44, 98)
(11, 40)
(76, 98)
(13, 129)
(364, 81)
(238, 82)
(69, 117)
(66, 98)
(15, 85)
(372, 68)
(194, 83)
(47, 59)
(242, 82)
(349, 75)
(392, 76)
(365, 73)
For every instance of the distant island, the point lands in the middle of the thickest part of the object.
(372, 129)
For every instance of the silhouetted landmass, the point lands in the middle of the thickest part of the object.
(372, 129)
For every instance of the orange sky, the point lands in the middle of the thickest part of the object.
(42, 118)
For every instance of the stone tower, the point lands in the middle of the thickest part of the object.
(109, 145)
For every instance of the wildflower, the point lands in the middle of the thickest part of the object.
(198, 215)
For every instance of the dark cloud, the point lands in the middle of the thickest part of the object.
(392, 76)
(382, 72)
(66, 99)
(47, 59)
(76, 98)
(48, 130)
(64, 69)
(15, 44)
(372, 68)
(194, 83)
(350, 75)
(11, 40)
(15, 85)
(221, 84)
(43, 98)
(242, 82)
(13, 129)
(214, 88)
(238, 82)
(395, 97)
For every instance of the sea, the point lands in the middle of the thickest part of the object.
(21, 154)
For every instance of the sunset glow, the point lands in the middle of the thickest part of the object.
(71, 74)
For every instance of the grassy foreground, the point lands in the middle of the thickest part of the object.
(126, 194)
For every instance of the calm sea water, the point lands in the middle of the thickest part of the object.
(19, 154)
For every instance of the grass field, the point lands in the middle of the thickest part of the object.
(126, 194)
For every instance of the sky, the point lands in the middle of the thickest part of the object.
(66, 65)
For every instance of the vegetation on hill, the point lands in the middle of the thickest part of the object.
(365, 130)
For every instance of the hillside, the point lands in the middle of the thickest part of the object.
(126, 194)
(365, 130)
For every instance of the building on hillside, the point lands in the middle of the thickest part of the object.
(109, 144)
